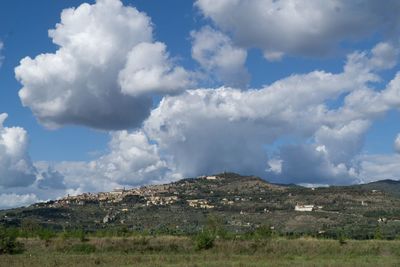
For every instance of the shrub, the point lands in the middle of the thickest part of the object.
(83, 248)
(378, 233)
(46, 234)
(204, 240)
(9, 243)
(263, 232)
(78, 233)
(82, 236)
(342, 239)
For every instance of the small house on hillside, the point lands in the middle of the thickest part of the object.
(304, 207)
(117, 191)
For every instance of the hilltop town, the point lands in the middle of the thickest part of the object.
(242, 203)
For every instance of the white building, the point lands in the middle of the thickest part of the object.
(304, 207)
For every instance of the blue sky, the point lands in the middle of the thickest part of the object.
(85, 122)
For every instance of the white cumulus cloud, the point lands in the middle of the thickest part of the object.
(212, 130)
(132, 160)
(310, 28)
(16, 168)
(218, 56)
(149, 70)
(102, 74)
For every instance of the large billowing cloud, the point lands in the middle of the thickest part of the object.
(205, 131)
(211, 130)
(104, 71)
(285, 132)
(310, 28)
(217, 55)
(16, 168)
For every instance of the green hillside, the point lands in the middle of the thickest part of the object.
(240, 204)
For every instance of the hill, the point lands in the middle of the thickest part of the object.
(240, 203)
(389, 186)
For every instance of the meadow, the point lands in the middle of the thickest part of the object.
(185, 251)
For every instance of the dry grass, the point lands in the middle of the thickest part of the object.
(179, 251)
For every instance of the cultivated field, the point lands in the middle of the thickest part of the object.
(181, 251)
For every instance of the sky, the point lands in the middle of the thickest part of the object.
(96, 95)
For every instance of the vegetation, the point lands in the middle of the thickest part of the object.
(204, 240)
(9, 243)
(182, 251)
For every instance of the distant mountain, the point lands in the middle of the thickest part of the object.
(242, 204)
(388, 186)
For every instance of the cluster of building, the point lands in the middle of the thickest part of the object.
(149, 194)
(160, 200)
(226, 201)
(199, 203)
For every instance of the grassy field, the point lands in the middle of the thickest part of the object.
(180, 251)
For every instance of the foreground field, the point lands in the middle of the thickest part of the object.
(180, 251)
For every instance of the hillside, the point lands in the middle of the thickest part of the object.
(241, 203)
(389, 186)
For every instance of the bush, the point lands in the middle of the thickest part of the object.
(9, 243)
(263, 232)
(204, 240)
(82, 236)
(79, 234)
(46, 234)
(378, 233)
(83, 248)
(342, 238)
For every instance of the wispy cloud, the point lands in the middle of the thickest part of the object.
(1, 53)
